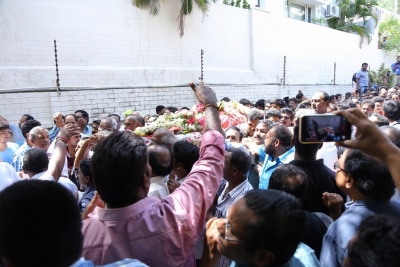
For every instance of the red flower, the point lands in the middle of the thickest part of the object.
(200, 107)
(201, 121)
(191, 120)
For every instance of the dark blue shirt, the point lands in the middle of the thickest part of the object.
(86, 198)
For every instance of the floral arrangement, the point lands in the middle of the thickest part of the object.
(189, 121)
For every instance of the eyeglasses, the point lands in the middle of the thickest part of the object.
(337, 168)
(5, 132)
(227, 230)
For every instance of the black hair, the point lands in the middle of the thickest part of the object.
(284, 135)
(46, 229)
(118, 167)
(290, 179)
(85, 167)
(241, 160)
(238, 130)
(172, 109)
(294, 100)
(159, 108)
(347, 95)
(28, 126)
(332, 97)
(287, 111)
(273, 112)
(346, 105)
(160, 159)
(4, 125)
(299, 95)
(244, 101)
(380, 119)
(116, 115)
(364, 64)
(260, 103)
(28, 117)
(391, 109)
(306, 151)
(226, 99)
(254, 114)
(279, 223)
(377, 243)
(184, 108)
(270, 124)
(35, 160)
(186, 154)
(393, 134)
(338, 95)
(84, 113)
(369, 103)
(278, 102)
(371, 177)
(377, 99)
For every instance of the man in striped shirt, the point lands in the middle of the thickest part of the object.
(237, 165)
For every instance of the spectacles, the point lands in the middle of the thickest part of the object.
(337, 168)
(5, 132)
(226, 235)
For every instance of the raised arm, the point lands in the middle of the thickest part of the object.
(57, 160)
(371, 140)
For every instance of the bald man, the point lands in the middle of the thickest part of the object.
(164, 137)
(131, 122)
(161, 161)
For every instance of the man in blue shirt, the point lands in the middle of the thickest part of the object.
(362, 79)
(279, 148)
(396, 70)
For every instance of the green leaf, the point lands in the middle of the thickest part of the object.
(152, 5)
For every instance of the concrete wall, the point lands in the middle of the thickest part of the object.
(113, 56)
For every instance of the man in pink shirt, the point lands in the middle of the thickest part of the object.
(157, 232)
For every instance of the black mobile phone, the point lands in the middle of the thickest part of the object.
(388, 73)
(323, 128)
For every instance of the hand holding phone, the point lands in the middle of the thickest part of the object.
(323, 128)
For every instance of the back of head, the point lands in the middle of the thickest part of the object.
(347, 95)
(279, 223)
(377, 99)
(305, 151)
(377, 243)
(164, 137)
(244, 101)
(260, 103)
(118, 167)
(241, 160)
(35, 160)
(284, 135)
(393, 134)
(290, 179)
(186, 154)
(159, 108)
(279, 102)
(379, 119)
(86, 167)
(28, 117)
(28, 126)
(160, 160)
(371, 177)
(392, 109)
(46, 230)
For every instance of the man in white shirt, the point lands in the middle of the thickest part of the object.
(8, 176)
(160, 160)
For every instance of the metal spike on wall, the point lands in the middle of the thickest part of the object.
(284, 70)
(201, 65)
(58, 76)
(334, 73)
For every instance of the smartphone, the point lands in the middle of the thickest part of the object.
(323, 128)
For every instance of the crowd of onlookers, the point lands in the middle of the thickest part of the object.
(95, 194)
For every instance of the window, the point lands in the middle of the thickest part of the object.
(300, 12)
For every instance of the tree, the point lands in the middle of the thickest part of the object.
(187, 7)
(380, 76)
(389, 5)
(351, 12)
(390, 28)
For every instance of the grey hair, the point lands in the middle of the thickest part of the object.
(254, 114)
(35, 130)
(169, 139)
(103, 134)
(113, 122)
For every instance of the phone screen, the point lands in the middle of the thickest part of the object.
(324, 128)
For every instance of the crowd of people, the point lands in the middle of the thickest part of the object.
(95, 194)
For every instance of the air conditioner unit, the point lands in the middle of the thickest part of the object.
(332, 11)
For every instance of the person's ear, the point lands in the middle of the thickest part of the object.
(263, 258)
(178, 166)
(87, 179)
(234, 171)
(349, 182)
(23, 170)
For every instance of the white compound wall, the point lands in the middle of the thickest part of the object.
(113, 56)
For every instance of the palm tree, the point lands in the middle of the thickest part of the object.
(187, 6)
(352, 11)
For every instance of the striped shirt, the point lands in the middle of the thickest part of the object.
(18, 157)
(223, 205)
